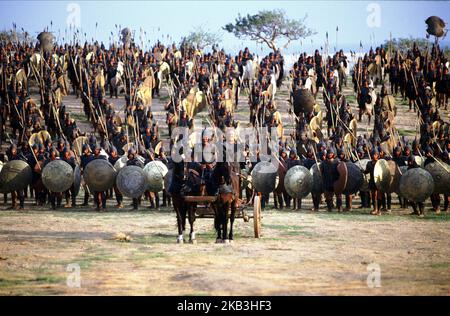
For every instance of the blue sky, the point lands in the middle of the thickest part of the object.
(177, 18)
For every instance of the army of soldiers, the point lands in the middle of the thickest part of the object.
(214, 81)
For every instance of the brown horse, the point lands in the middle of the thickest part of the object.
(185, 182)
(227, 177)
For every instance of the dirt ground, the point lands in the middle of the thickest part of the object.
(300, 252)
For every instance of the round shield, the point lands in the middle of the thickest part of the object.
(132, 181)
(15, 175)
(403, 170)
(362, 164)
(57, 176)
(386, 176)
(436, 26)
(317, 185)
(441, 176)
(298, 182)
(155, 172)
(264, 177)
(355, 178)
(303, 101)
(416, 185)
(99, 175)
(76, 180)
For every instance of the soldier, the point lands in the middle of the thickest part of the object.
(375, 193)
(54, 197)
(85, 158)
(293, 161)
(113, 158)
(329, 176)
(70, 159)
(435, 198)
(420, 212)
(13, 154)
(134, 161)
(99, 197)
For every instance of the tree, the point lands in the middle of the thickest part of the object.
(201, 38)
(269, 27)
(405, 44)
(12, 36)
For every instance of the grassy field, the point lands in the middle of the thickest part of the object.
(301, 252)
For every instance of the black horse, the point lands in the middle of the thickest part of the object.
(225, 177)
(186, 180)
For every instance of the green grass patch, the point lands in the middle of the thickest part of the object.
(406, 132)
(41, 279)
(441, 265)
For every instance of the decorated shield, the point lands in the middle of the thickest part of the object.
(57, 176)
(132, 181)
(155, 172)
(99, 175)
(298, 182)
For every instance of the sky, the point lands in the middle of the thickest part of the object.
(370, 22)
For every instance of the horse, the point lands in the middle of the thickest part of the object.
(251, 70)
(186, 180)
(116, 82)
(226, 176)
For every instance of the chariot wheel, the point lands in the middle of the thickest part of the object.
(257, 216)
